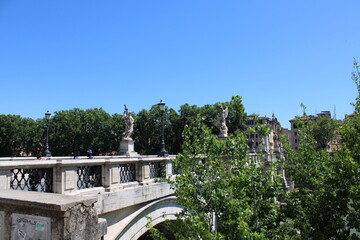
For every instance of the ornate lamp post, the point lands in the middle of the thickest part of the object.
(163, 152)
(47, 152)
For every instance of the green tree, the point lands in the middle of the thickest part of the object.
(326, 202)
(74, 131)
(188, 114)
(173, 132)
(18, 135)
(216, 180)
(355, 75)
(147, 131)
(65, 129)
(236, 120)
(350, 133)
(327, 189)
(324, 129)
(208, 114)
(350, 130)
(96, 130)
(117, 129)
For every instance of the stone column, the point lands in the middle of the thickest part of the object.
(5, 179)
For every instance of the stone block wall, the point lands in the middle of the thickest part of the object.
(26, 215)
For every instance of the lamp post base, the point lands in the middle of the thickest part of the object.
(47, 153)
(163, 154)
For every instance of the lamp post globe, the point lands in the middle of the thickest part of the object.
(163, 152)
(47, 152)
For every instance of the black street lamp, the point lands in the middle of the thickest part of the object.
(47, 152)
(163, 152)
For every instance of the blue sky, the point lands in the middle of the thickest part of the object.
(58, 55)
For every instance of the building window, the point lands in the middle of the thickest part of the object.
(250, 122)
(296, 140)
(294, 125)
(295, 133)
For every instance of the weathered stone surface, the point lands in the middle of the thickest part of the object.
(45, 201)
(102, 226)
(72, 217)
(69, 179)
(2, 223)
(25, 226)
(4, 179)
(136, 195)
(81, 223)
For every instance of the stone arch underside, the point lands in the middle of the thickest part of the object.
(134, 225)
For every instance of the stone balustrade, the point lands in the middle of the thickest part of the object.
(65, 175)
(67, 198)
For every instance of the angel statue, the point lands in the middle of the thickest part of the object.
(221, 121)
(129, 124)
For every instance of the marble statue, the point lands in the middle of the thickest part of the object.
(221, 121)
(271, 142)
(129, 124)
(252, 146)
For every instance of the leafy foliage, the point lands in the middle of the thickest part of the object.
(216, 180)
(236, 120)
(74, 131)
(18, 135)
(325, 203)
(324, 130)
(355, 75)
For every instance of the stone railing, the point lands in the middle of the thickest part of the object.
(66, 175)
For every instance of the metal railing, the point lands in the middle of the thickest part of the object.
(88, 177)
(127, 172)
(36, 179)
(156, 169)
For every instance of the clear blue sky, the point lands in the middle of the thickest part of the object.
(58, 55)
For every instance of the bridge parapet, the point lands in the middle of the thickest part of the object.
(114, 191)
(65, 175)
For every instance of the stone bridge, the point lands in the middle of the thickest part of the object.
(105, 197)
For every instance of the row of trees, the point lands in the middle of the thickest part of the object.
(76, 130)
(226, 195)
(229, 196)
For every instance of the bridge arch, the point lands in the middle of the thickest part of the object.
(158, 211)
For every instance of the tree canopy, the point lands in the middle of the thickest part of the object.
(228, 195)
(76, 130)
(224, 193)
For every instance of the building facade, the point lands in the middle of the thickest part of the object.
(269, 143)
(298, 122)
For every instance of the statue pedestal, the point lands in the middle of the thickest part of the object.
(127, 148)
